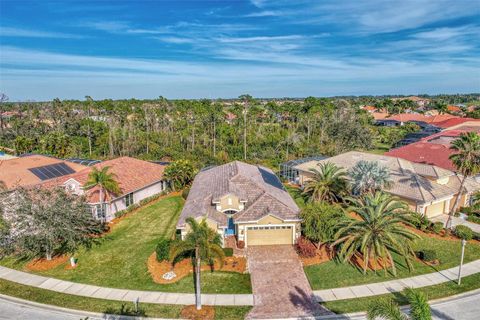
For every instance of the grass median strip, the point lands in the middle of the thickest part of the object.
(433, 292)
(107, 306)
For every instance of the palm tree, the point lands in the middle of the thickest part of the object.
(202, 243)
(180, 173)
(467, 162)
(105, 181)
(389, 310)
(378, 232)
(369, 176)
(327, 184)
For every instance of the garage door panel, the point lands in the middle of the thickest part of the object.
(435, 209)
(257, 236)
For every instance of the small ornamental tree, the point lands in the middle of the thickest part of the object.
(48, 222)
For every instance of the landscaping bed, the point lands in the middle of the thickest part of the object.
(335, 273)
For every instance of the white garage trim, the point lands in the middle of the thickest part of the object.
(269, 226)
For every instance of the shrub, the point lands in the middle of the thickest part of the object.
(463, 232)
(228, 252)
(241, 244)
(427, 255)
(185, 193)
(437, 227)
(163, 249)
(476, 236)
(473, 218)
(305, 248)
(420, 221)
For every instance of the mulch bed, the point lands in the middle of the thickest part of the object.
(373, 265)
(191, 312)
(44, 264)
(184, 268)
(322, 255)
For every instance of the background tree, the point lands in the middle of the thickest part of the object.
(180, 173)
(49, 222)
(203, 244)
(327, 184)
(106, 183)
(467, 162)
(320, 222)
(378, 232)
(246, 100)
(368, 176)
(3, 99)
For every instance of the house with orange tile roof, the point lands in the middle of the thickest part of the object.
(136, 178)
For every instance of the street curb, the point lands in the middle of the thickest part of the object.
(80, 313)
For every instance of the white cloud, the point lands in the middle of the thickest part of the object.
(29, 33)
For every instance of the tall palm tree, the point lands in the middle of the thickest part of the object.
(389, 310)
(203, 244)
(105, 181)
(327, 184)
(467, 162)
(369, 176)
(378, 232)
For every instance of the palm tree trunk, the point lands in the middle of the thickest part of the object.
(448, 224)
(198, 301)
(245, 133)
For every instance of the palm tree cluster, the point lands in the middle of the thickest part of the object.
(388, 309)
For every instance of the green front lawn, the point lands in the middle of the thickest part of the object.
(120, 260)
(334, 274)
(108, 306)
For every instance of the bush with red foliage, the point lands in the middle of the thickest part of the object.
(305, 248)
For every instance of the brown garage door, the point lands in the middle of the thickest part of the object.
(435, 209)
(268, 235)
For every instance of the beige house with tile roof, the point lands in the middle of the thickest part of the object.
(245, 201)
(427, 189)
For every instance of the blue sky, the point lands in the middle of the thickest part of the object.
(213, 49)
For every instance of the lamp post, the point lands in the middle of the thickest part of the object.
(464, 242)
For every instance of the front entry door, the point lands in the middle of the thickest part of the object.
(231, 227)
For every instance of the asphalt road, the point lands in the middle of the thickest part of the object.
(464, 307)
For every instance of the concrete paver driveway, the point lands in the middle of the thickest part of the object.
(280, 287)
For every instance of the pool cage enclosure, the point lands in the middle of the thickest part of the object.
(289, 173)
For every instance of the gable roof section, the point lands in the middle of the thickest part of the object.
(257, 185)
(414, 181)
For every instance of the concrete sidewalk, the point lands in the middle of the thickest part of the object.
(374, 289)
(90, 291)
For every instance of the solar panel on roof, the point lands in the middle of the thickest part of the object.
(52, 171)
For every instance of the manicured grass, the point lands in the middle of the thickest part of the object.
(433, 292)
(107, 306)
(335, 273)
(120, 259)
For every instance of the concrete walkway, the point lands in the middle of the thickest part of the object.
(374, 289)
(457, 221)
(90, 291)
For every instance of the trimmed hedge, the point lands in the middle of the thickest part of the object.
(228, 252)
(473, 218)
(163, 249)
(437, 227)
(185, 193)
(463, 232)
(142, 202)
(427, 255)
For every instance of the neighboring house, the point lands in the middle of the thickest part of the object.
(136, 178)
(34, 169)
(427, 189)
(432, 150)
(369, 109)
(245, 201)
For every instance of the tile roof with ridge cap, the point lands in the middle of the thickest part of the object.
(257, 185)
(410, 180)
(130, 173)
